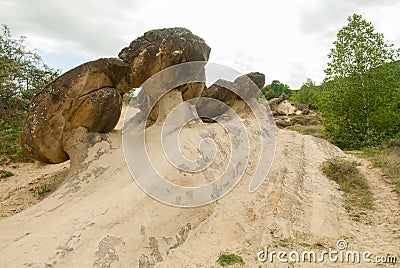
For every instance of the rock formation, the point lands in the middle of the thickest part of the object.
(245, 82)
(227, 92)
(282, 106)
(90, 95)
(159, 49)
(86, 96)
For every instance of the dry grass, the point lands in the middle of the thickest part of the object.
(310, 124)
(387, 158)
(313, 130)
(358, 197)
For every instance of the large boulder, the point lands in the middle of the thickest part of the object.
(282, 106)
(162, 48)
(222, 91)
(244, 87)
(157, 50)
(245, 84)
(87, 96)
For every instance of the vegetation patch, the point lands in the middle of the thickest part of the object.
(284, 243)
(310, 124)
(387, 158)
(5, 174)
(226, 259)
(358, 197)
(316, 131)
(10, 149)
(43, 189)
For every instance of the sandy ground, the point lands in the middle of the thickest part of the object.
(98, 216)
(31, 183)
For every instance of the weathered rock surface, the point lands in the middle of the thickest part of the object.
(281, 98)
(282, 106)
(227, 92)
(222, 91)
(85, 96)
(90, 95)
(159, 49)
(246, 82)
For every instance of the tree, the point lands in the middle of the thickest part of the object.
(307, 94)
(275, 89)
(22, 74)
(360, 90)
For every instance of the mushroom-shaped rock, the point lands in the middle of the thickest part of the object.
(86, 96)
(157, 50)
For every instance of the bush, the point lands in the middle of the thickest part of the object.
(275, 89)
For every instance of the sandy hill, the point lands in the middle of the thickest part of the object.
(99, 217)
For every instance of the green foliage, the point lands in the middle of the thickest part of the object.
(22, 74)
(10, 149)
(358, 197)
(275, 89)
(5, 174)
(226, 259)
(307, 94)
(360, 100)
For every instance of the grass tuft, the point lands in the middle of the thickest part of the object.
(5, 174)
(358, 197)
(226, 259)
(43, 189)
(312, 130)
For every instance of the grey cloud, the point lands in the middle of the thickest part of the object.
(89, 26)
(247, 62)
(297, 77)
(327, 14)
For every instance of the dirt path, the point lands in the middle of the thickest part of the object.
(380, 231)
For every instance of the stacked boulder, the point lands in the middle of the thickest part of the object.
(90, 95)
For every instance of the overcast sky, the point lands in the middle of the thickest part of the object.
(286, 40)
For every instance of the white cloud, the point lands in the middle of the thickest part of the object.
(287, 40)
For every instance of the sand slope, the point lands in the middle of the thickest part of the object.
(99, 217)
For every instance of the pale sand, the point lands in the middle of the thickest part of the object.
(100, 217)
